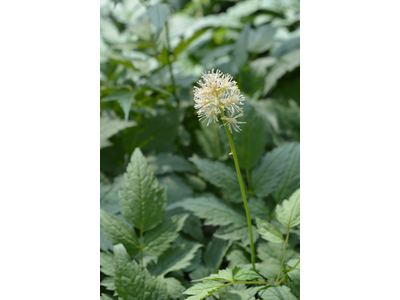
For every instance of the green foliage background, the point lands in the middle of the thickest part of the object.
(152, 54)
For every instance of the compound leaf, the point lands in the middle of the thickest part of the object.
(289, 212)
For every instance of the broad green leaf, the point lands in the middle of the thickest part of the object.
(142, 201)
(290, 181)
(166, 163)
(294, 282)
(107, 263)
(220, 175)
(108, 282)
(202, 290)
(258, 208)
(269, 232)
(240, 55)
(109, 127)
(277, 293)
(212, 141)
(289, 212)
(193, 228)
(175, 258)
(225, 275)
(237, 295)
(269, 270)
(154, 133)
(215, 252)
(131, 282)
(241, 274)
(158, 14)
(237, 232)
(107, 297)
(105, 243)
(271, 253)
(273, 166)
(185, 43)
(157, 240)
(174, 287)
(109, 195)
(250, 143)
(261, 38)
(285, 64)
(177, 189)
(118, 232)
(213, 210)
(237, 257)
(124, 98)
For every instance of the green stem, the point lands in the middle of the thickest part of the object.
(233, 152)
(280, 281)
(283, 257)
(141, 248)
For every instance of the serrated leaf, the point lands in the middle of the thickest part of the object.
(250, 143)
(174, 287)
(177, 189)
(108, 282)
(269, 232)
(289, 212)
(277, 293)
(272, 253)
(215, 252)
(109, 195)
(157, 240)
(237, 232)
(242, 274)
(175, 258)
(269, 270)
(131, 282)
(105, 243)
(266, 177)
(258, 208)
(107, 263)
(294, 282)
(142, 201)
(237, 295)
(124, 98)
(290, 180)
(237, 257)
(165, 163)
(220, 175)
(107, 297)
(118, 232)
(213, 210)
(109, 127)
(202, 290)
(158, 14)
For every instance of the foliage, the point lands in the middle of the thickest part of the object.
(173, 224)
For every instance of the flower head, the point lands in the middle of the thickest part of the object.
(218, 93)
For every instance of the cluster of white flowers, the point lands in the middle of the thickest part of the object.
(217, 94)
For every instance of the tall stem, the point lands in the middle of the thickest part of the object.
(233, 151)
(284, 253)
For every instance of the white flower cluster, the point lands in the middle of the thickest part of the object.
(217, 94)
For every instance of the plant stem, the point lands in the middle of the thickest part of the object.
(283, 257)
(141, 248)
(280, 281)
(233, 152)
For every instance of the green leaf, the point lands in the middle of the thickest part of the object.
(221, 176)
(108, 282)
(241, 274)
(215, 252)
(237, 257)
(118, 232)
(237, 295)
(167, 163)
(212, 141)
(261, 38)
(202, 290)
(266, 177)
(107, 263)
(277, 293)
(131, 282)
(174, 287)
(294, 282)
(237, 232)
(124, 98)
(175, 258)
(158, 14)
(250, 143)
(213, 210)
(107, 297)
(157, 240)
(240, 55)
(177, 189)
(109, 127)
(272, 253)
(142, 201)
(258, 208)
(290, 181)
(269, 232)
(109, 195)
(289, 212)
